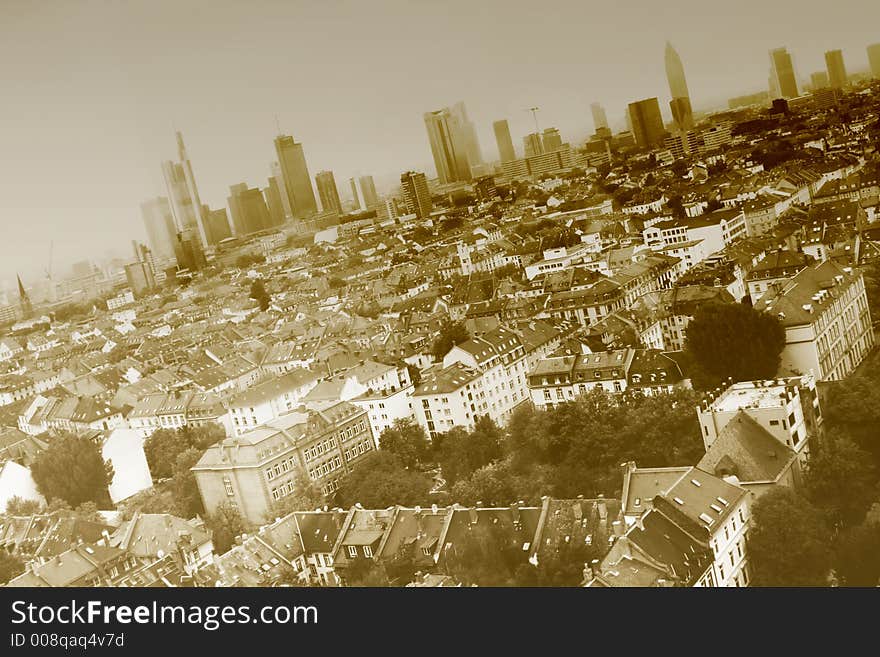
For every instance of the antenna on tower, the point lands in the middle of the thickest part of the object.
(534, 111)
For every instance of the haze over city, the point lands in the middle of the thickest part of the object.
(95, 90)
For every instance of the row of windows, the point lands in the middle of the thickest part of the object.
(280, 468)
(357, 450)
(318, 450)
(325, 468)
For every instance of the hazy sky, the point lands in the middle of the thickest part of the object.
(93, 90)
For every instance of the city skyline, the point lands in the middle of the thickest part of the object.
(109, 114)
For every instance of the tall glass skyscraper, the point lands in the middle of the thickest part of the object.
(504, 141)
(678, 90)
(295, 175)
(836, 69)
(448, 146)
(782, 78)
(184, 194)
(329, 195)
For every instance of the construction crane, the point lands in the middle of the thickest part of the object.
(534, 111)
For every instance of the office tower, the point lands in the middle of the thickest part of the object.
(277, 182)
(217, 225)
(327, 192)
(159, 223)
(783, 79)
(468, 135)
(24, 301)
(416, 193)
(250, 213)
(505, 143)
(273, 195)
(295, 175)
(188, 251)
(874, 59)
(646, 122)
(551, 140)
(355, 194)
(532, 144)
(183, 193)
(141, 274)
(836, 69)
(600, 121)
(678, 90)
(368, 192)
(447, 146)
(819, 80)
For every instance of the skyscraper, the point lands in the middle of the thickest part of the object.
(468, 135)
(819, 80)
(161, 230)
(836, 69)
(295, 175)
(181, 185)
(600, 121)
(678, 90)
(416, 194)
(532, 144)
(551, 140)
(505, 143)
(448, 147)
(217, 225)
(358, 204)
(249, 210)
(327, 192)
(874, 59)
(368, 192)
(646, 122)
(782, 78)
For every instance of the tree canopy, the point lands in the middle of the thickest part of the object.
(451, 334)
(731, 340)
(788, 541)
(225, 524)
(380, 480)
(407, 440)
(73, 469)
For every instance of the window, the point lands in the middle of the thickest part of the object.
(352, 551)
(227, 483)
(368, 551)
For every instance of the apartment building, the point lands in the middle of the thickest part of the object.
(258, 468)
(824, 310)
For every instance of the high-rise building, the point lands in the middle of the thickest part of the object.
(416, 194)
(159, 223)
(678, 90)
(248, 209)
(836, 69)
(217, 225)
(502, 137)
(819, 80)
(188, 250)
(783, 81)
(551, 140)
(467, 135)
(358, 204)
(295, 175)
(183, 192)
(24, 301)
(600, 121)
(327, 192)
(448, 146)
(532, 144)
(874, 59)
(274, 201)
(646, 122)
(368, 192)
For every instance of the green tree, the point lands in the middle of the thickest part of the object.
(225, 524)
(852, 406)
(733, 340)
(258, 293)
(461, 453)
(162, 449)
(788, 541)
(73, 469)
(407, 440)
(10, 567)
(840, 480)
(380, 480)
(187, 499)
(857, 556)
(365, 572)
(486, 554)
(18, 506)
(451, 334)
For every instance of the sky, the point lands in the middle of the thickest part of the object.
(92, 91)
